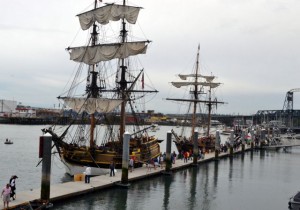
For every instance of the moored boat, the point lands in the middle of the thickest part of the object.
(199, 85)
(112, 88)
(7, 141)
(294, 202)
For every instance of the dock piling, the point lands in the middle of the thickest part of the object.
(45, 146)
(217, 145)
(168, 153)
(125, 160)
(231, 142)
(252, 139)
(195, 149)
(243, 141)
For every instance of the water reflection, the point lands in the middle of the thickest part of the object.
(230, 184)
(262, 154)
(216, 175)
(230, 168)
(193, 186)
(242, 165)
(204, 189)
(167, 183)
(122, 199)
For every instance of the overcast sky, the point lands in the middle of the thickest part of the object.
(251, 46)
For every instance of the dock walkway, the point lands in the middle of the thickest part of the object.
(71, 189)
(277, 147)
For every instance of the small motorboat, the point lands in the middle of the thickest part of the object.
(8, 141)
(294, 202)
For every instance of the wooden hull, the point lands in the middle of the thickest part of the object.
(100, 158)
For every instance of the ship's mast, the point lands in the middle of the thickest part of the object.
(195, 99)
(195, 94)
(93, 89)
(123, 82)
(209, 111)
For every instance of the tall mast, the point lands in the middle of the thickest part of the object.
(93, 89)
(209, 111)
(123, 82)
(195, 93)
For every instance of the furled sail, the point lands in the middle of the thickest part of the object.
(104, 52)
(92, 105)
(111, 12)
(208, 78)
(208, 84)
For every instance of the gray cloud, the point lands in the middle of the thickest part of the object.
(252, 46)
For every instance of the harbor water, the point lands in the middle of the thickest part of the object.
(257, 180)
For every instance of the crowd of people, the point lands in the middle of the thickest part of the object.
(160, 161)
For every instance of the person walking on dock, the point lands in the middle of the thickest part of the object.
(6, 195)
(87, 172)
(131, 164)
(112, 168)
(12, 183)
(148, 165)
(186, 156)
(174, 155)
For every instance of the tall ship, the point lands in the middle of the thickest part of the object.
(107, 86)
(200, 88)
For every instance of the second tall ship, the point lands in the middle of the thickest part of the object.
(200, 92)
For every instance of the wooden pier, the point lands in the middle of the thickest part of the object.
(72, 189)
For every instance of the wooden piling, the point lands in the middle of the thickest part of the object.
(168, 152)
(243, 141)
(252, 139)
(217, 145)
(195, 148)
(125, 159)
(46, 142)
(231, 142)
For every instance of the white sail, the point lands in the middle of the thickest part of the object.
(185, 76)
(92, 105)
(95, 54)
(111, 12)
(208, 84)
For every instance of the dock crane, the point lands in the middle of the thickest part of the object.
(288, 106)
